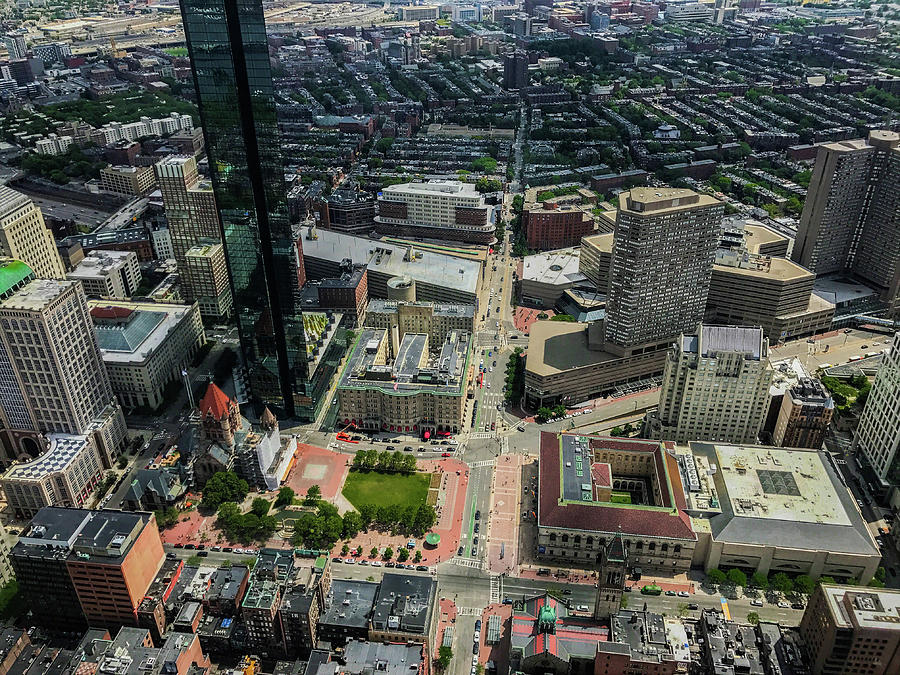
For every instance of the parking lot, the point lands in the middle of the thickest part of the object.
(833, 348)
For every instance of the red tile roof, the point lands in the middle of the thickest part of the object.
(111, 312)
(215, 402)
(673, 523)
(602, 474)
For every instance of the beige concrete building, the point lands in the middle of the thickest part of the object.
(54, 380)
(848, 630)
(805, 414)
(664, 246)
(435, 320)
(593, 263)
(207, 269)
(566, 363)
(851, 216)
(193, 217)
(877, 439)
(715, 387)
(25, 237)
(412, 389)
(108, 274)
(133, 181)
(593, 488)
(769, 510)
(64, 475)
(748, 289)
(145, 346)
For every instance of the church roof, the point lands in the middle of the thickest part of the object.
(215, 402)
(616, 552)
(267, 420)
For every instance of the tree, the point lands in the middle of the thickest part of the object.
(737, 577)
(682, 609)
(403, 555)
(260, 507)
(418, 557)
(352, 524)
(166, 517)
(752, 618)
(388, 553)
(782, 583)
(374, 552)
(760, 581)
(445, 654)
(825, 580)
(285, 497)
(623, 603)
(224, 486)
(345, 549)
(880, 574)
(313, 495)
(715, 576)
(804, 584)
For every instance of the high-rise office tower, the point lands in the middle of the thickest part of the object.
(664, 247)
(193, 218)
(24, 236)
(715, 387)
(15, 45)
(230, 60)
(52, 377)
(877, 437)
(851, 217)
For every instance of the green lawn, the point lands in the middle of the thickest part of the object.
(386, 489)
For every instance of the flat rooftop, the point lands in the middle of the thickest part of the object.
(64, 448)
(558, 346)
(380, 306)
(714, 339)
(433, 188)
(349, 603)
(660, 200)
(602, 242)
(414, 369)
(408, 597)
(392, 260)
(554, 268)
(866, 607)
(35, 296)
(756, 235)
(55, 530)
(839, 291)
(785, 497)
(764, 267)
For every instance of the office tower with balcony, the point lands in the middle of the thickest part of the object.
(24, 236)
(52, 376)
(851, 218)
(235, 95)
(664, 247)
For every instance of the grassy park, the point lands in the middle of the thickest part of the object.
(386, 489)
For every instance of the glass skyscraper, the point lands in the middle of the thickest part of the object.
(230, 59)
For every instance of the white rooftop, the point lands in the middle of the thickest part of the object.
(35, 296)
(432, 187)
(553, 267)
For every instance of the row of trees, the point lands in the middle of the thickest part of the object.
(545, 413)
(246, 527)
(515, 376)
(779, 582)
(384, 461)
(322, 528)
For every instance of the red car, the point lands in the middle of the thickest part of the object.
(445, 454)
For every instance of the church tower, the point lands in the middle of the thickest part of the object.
(613, 561)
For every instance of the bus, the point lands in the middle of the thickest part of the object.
(651, 589)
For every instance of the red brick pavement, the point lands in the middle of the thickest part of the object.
(505, 514)
(318, 466)
(498, 653)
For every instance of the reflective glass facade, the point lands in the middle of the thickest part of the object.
(227, 44)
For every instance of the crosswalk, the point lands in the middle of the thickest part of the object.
(474, 563)
(504, 445)
(483, 462)
(468, 611)
(495, 589)
(476, 435)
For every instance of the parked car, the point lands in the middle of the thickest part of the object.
(683, 594)
(784, 604)
(693, 605)
(671, 593)
(756, 603)
(459, 551)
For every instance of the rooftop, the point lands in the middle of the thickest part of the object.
(434, 187)
(544, 626)
(363, 658)
(659, 200)
(349, 603)
(64, 449)
(773, 496)
(11, 201)
(12, 274)
(553, 267)
(379, 306)
(425, 267)
(562, 503)
(868, 608)
(133, 331)
(36, 295)
(406, 599)
(414, 368)
(760, 267)
(558, 346)
(710, 340)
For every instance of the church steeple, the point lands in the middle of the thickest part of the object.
(613, 564)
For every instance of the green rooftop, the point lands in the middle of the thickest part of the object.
(12, 274)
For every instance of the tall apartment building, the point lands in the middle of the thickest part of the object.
(108, 274)
(847, 629)
(806, 412)
(877, 436)
(851, 217)
(515, 70)
(550, 225)
(664, 246)
(236, 99)
(24, 236)
(715, 387)
(76, 566)
(131, 181)
(15, 45)
(193, 217)
(442, 209)
(52, 377)
(207, 268)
